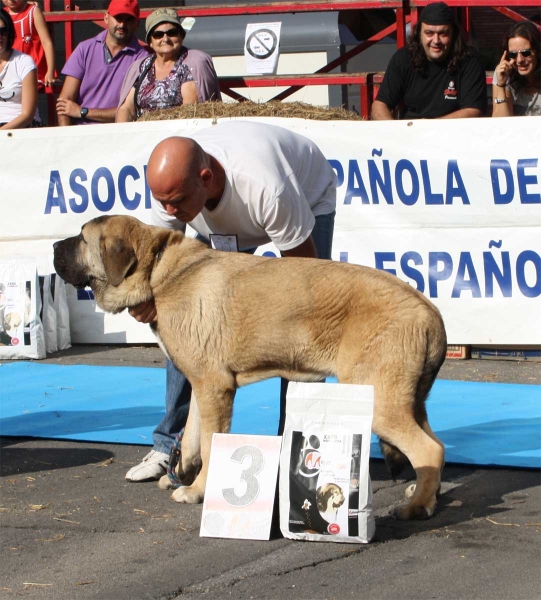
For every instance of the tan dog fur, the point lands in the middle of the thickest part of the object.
(227, 320)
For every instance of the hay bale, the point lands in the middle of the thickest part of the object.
(225, 110)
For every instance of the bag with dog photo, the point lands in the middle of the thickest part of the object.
(21, 331)
(325, 489)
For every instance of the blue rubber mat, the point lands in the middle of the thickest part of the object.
(480, 423)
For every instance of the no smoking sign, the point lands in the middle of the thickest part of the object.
(262, 43)
(261, 47)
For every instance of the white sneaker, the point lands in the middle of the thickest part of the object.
(153, 466)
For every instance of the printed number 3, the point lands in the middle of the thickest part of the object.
(247, 475)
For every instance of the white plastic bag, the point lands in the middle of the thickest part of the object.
(48, 313)
(60, 303)
(21, 330)
(325, 488)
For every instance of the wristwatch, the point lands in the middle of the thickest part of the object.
(499, 100)
(84, 113)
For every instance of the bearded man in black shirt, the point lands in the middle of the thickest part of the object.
(437, 76)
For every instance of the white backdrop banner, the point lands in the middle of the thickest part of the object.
(452, 207)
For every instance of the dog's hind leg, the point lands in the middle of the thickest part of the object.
(215, 406)
(426, 457)
(424, 386)
(421, 418)
(400, 420)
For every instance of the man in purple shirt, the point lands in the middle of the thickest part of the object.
(96, 69)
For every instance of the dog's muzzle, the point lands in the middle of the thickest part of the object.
(65, 262)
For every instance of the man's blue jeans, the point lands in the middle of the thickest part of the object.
(178, 389)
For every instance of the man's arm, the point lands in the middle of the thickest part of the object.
(305, 250)
(380, 111)
(472, 91)
(464, 113)
(68, 110)
(69, 93)
(101, 115)
(393, 87)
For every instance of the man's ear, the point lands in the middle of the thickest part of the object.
(207, 176)
(118, 258)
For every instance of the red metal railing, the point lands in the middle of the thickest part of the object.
(405, 10)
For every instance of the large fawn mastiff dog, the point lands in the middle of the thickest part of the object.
(227, 320)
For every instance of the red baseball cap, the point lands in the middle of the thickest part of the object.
(124, 7)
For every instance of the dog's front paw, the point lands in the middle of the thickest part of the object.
(164, 483)
(187, 495)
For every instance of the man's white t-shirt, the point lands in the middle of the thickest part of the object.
(277, 181)
(11, 90)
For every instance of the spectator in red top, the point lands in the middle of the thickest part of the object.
(32, 37)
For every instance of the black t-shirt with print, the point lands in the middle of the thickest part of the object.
(437, 93)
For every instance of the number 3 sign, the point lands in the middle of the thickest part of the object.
(241, 486)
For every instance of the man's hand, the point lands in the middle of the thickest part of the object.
(144, 312)
(68, 108)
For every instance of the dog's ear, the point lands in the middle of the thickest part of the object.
(118, 257)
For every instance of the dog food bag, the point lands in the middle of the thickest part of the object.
(60, 302)
(324, 488)
(21, 331)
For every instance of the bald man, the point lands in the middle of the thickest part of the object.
(239, 185)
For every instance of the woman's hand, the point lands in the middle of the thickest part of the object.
(503, 70)
(49, 80)
(144, 312)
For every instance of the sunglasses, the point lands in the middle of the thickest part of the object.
(3, 30)
(524, 53)
(157, 35)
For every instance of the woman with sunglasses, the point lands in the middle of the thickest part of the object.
(18, 81)
(164, 78)
(517, 82)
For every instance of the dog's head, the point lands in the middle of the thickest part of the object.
(329, 497)
(114, 255)
(12, 321)
(99, 252)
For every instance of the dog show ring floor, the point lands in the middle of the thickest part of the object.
(73, 527)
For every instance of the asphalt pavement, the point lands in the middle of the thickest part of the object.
(73, 528)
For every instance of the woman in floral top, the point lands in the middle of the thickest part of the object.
(164, 80)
